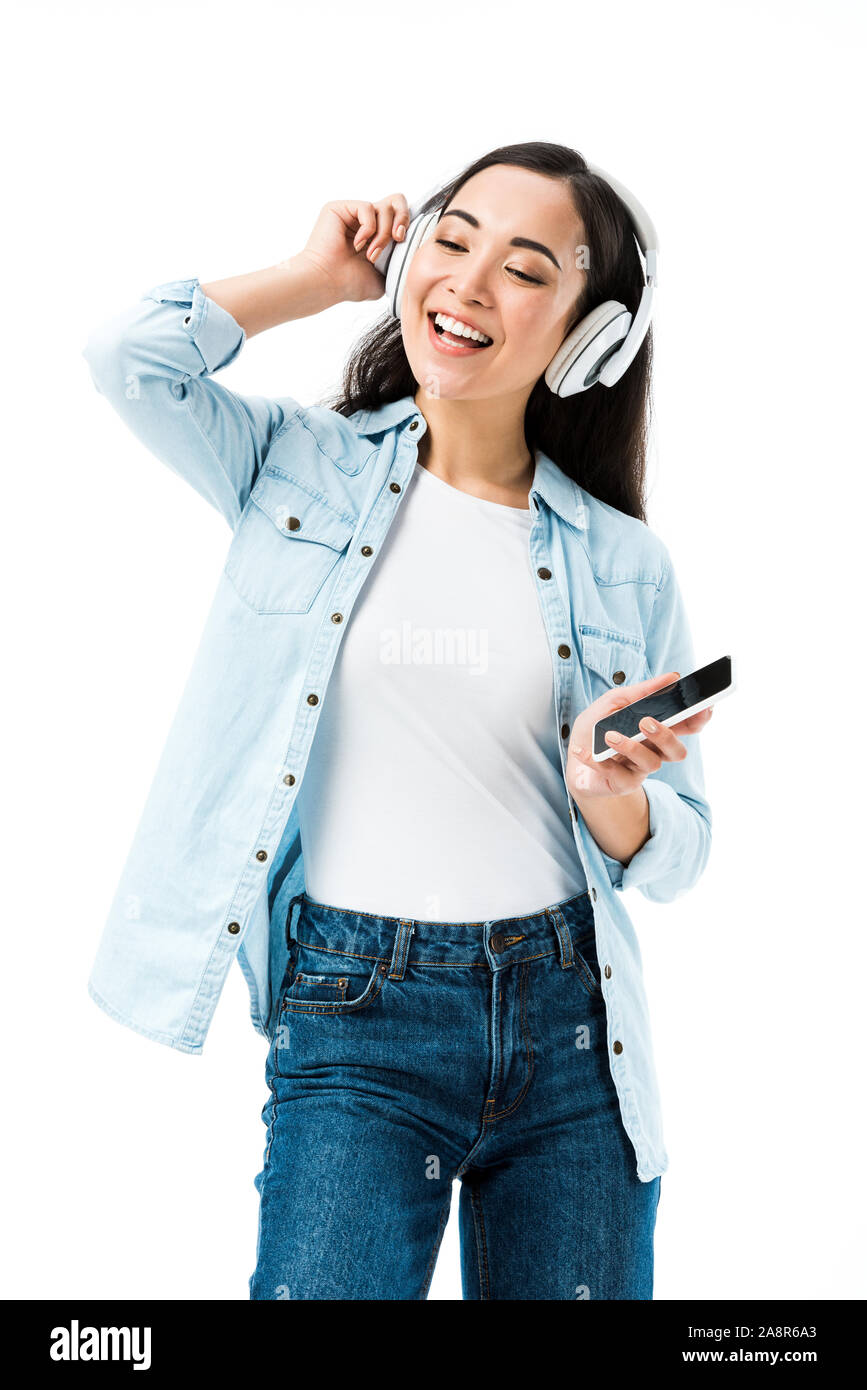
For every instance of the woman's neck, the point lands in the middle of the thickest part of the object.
(477, 447)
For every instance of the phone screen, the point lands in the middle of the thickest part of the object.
(680, 698)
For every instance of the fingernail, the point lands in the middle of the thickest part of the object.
(374, 255)
(615, 738)
(649, 725)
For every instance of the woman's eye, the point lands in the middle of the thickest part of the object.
(529, 279)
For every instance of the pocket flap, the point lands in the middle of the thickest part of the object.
(618, 657)
(299, 513)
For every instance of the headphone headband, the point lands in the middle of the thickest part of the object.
(642, 226)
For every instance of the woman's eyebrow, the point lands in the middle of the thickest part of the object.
(515, 241)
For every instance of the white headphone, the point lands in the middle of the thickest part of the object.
(601, 345)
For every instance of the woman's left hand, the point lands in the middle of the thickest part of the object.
(635, 758)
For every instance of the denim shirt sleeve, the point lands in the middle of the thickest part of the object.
(153, 363)
(673, 859)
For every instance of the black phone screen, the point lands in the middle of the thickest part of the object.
(679, 697)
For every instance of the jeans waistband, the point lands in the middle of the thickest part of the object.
(560, 927)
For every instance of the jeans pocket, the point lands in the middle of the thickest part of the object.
(331, 990)
(586, 963)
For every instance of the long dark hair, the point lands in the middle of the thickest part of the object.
(597, 437)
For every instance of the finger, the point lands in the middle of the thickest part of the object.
(628, 694)
(586, 758)
(664, 740)
(401, 216)
(385, 212)
(365, 215)
(637, 752)
(698, 721)
(694, 724)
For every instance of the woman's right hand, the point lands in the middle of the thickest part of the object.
(345, 239)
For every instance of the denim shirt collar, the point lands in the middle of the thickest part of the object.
(560, 493)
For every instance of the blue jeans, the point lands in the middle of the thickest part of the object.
(407, 1054)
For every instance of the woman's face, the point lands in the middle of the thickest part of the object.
(521, 296)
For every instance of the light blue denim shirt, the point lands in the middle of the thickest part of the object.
(309, 496)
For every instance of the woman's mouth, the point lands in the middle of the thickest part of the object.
(451, 336)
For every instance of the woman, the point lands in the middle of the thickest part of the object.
(459, 557)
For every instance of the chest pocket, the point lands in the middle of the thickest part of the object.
(287, 543)
(611, 660)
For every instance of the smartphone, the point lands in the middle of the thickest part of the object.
(668, 705)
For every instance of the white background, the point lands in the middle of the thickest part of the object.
(154, 142)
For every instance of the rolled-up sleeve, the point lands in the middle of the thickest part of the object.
(672, 860)
(153, 361)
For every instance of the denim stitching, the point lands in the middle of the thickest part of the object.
(352, 1006)
(500, 1114)
(564, 936)
(584, 974)
(481, 1244)
(331, 951)
(438, 964)
(401, 950)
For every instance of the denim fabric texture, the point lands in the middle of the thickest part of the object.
(410, 1054)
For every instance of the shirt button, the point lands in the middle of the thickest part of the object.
(394, 487)
(292, 523)
(619, 677)
(608, 972)
(543, 573)
(313, 699)
(564, 731)
(289, 780)
(563, 650)
(233, 928)
(498, 943)
(337, 617)
(617, 1047)
(414, 425)
(367, 550)
(261, 855)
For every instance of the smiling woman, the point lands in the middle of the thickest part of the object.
(459, 995)
(529, 241)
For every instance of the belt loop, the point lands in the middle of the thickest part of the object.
(299, 897)
(401, 950)
(564, 936)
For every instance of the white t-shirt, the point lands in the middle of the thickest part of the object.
(434, 789)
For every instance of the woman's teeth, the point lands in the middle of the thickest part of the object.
(459, 333)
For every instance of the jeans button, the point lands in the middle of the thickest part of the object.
(498, 943)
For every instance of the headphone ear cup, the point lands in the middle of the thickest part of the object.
(581, 356)
(400, 258)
